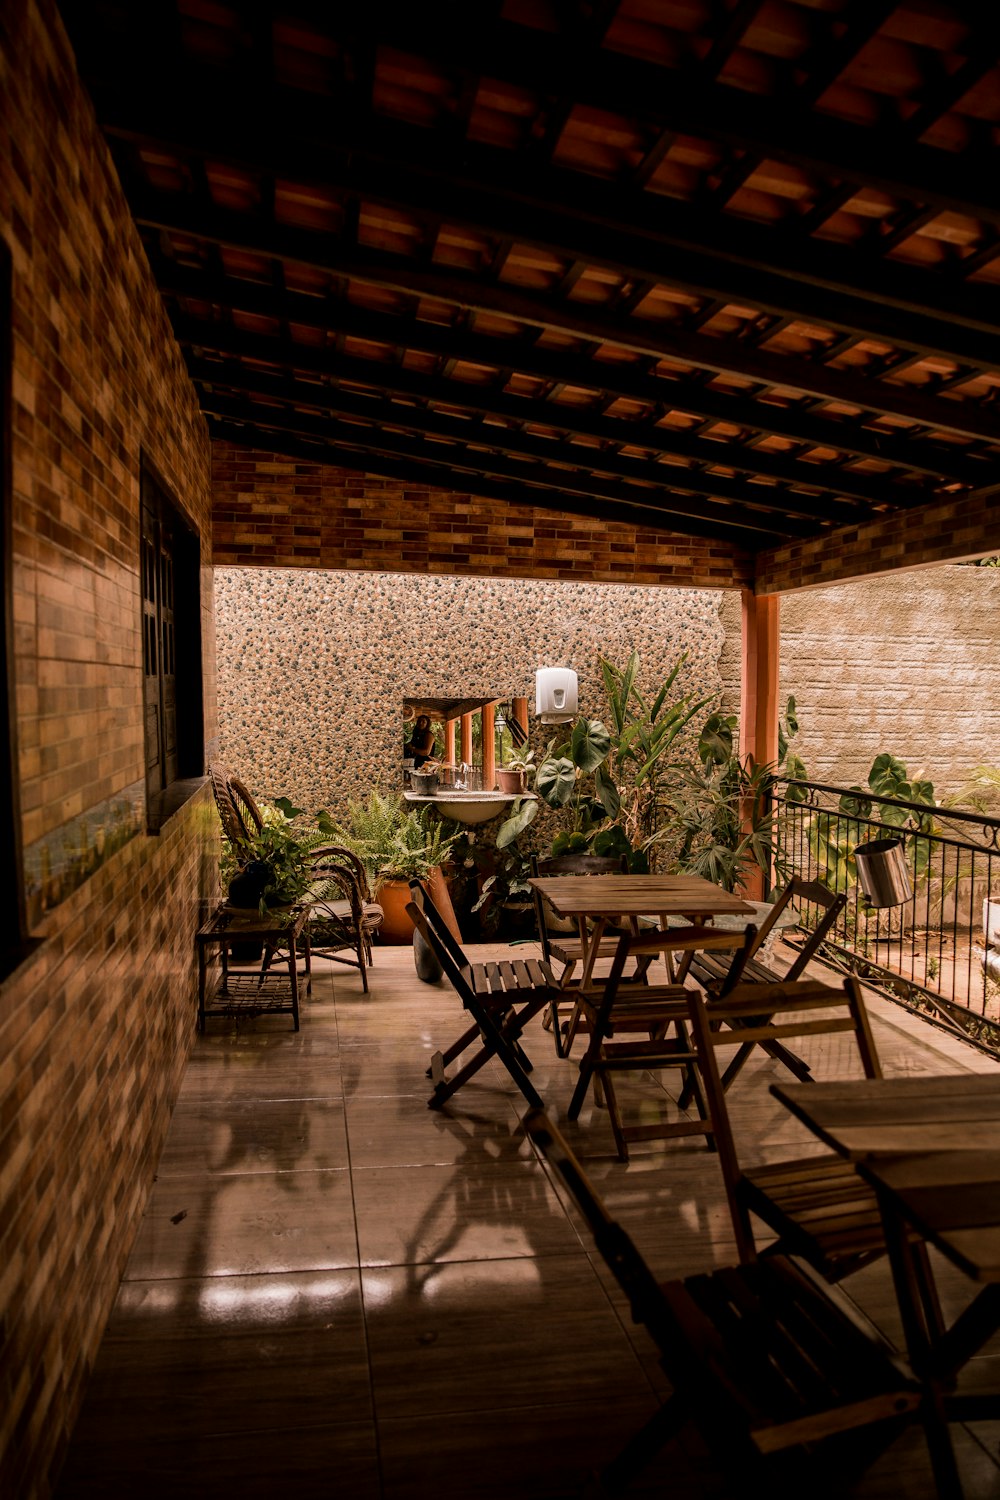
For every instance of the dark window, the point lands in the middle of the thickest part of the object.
(14, 944)
(171, 645)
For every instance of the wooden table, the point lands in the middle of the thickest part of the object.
(931, 1149)
(596, 900)
(262, 990)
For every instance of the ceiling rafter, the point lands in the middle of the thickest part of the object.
(669, 504)
(609, 381)
(723, 270)
(175, 213)
(648, 236)
(594, 459)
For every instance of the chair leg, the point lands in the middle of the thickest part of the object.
(614, 1114)
(644, 1446)
(456, 1049)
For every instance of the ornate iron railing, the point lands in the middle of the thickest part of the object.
(933, 953)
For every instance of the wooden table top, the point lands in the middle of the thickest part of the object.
(930, 1145)
(952, 1199)
(244, 922)
(638, 895)
(941, 1112)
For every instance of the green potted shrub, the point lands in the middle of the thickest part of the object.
(396, 845)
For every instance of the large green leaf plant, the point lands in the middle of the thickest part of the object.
(605, 778)
(717, 811)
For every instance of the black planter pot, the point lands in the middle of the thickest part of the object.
(245, 891)
(425, 960)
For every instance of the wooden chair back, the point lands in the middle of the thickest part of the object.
(753, 1014)
(613, 1010)
(767, 1362)
(567, 864)
(810, 893)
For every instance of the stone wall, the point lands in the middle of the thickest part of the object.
(314, 666)
(96, 1024)
(905, 664)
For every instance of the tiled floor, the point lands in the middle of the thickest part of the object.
(338, 1293)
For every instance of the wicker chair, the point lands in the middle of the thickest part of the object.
(338, 923)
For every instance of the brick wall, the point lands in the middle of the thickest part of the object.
(950, 531)
(95, 1026)
(271, 511)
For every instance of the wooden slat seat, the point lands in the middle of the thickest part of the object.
(792, 1392)
(502, 996)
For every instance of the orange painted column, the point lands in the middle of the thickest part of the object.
(489, 747)
(467, 739)
(759, 691)
(519, 708)
(449, 743)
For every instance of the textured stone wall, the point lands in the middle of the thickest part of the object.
(906, 664)
(314, 666)
(96, 1024)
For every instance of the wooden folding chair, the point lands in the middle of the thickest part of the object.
(501, 998)
(785, 1385)
(657, 1010)
(818, 1206)
(713, 973)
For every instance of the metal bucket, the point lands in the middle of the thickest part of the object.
(883, 873)
(424, 782)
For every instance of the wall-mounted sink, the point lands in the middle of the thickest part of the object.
(467, 807)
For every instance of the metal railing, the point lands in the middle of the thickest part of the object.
(931, 953)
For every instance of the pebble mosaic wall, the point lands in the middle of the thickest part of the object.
(313, 666)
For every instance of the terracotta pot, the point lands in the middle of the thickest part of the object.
(511, 781)
(393, 896)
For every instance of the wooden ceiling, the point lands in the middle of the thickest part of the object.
(728, 268)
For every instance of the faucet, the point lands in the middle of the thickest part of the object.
(460, 779)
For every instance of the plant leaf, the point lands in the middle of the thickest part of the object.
(590, 744)
(555, 781)
(523, 812)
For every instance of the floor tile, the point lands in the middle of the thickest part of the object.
(476, 1208)
(244, 1225)
(493, 1334)
(260, 1135)
(264, 1065)
(231, 1353)
(399, 1130)
(337, 1462)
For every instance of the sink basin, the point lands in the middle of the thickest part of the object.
(467, 807)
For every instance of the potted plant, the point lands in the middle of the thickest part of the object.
(397, 845)
(274, 867)
(513, 777)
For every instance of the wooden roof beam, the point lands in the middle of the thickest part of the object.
(175, 212)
